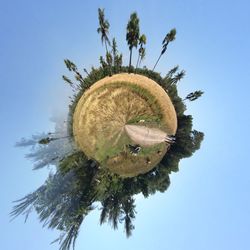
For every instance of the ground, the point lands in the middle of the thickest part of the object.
(113, 107)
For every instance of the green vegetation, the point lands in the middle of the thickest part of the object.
(142, 50)
(78, 183)
(194, 95)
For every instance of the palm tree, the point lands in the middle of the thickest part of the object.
(117, 57)
(179, 76)
(194, 95)
(172, 71)
(176, 78)
(47, 140)
(168, 38)
(132, 35)
(128, 207)
(103, 28)
(142, 50)
(86, 71)
(72, 67)
(67, 80)
(143, 53)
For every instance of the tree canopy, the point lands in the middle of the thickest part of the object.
(133, 33)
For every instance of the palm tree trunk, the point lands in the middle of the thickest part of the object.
(110, 69)
(130, 59)
(137, 64)
(106, 47)
(157, 61)
(169, 83)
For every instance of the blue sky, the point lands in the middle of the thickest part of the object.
(207, 205)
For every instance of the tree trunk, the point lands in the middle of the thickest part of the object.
(130, 59)
(106, 46)
(110, 66)
(157, 61)
(137, 64)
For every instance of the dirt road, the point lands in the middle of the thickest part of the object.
(145, 136)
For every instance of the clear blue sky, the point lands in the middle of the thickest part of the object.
(207, 205)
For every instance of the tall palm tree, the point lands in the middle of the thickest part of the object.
(168, 38)
(132, 36)
(142, 50)
(103, 28)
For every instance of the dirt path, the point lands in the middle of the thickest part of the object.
(145, 136)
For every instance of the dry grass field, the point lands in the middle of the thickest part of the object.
(113, 102)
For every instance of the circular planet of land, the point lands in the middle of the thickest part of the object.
(122, 122)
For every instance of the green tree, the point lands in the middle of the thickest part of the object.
(109, 60)
(172, 71)
(143, 54)
(47, 140)
(142, 50)
(67, 80)
(168, 38)
(194, 95)
(117, 58)
(104, 65)
(72, 67)
(179, 76)
(103, 28)
(132, 36)
(175, 79)
(128, 207)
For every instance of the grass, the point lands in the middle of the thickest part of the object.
(104, 110)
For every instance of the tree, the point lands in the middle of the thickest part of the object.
(104, 65)
(168, 38)
(47, 140)
(143, 54)
(132, 36)
(197, 138)
(67, 80)
(128, 207)
(117, 58)
(109, 60)
(179, 76)
(194, 95)
(172, 71)
(72, 67)
(175, 79)
(142, 50)
(103, 28)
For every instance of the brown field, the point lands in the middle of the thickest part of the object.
(113, 102)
